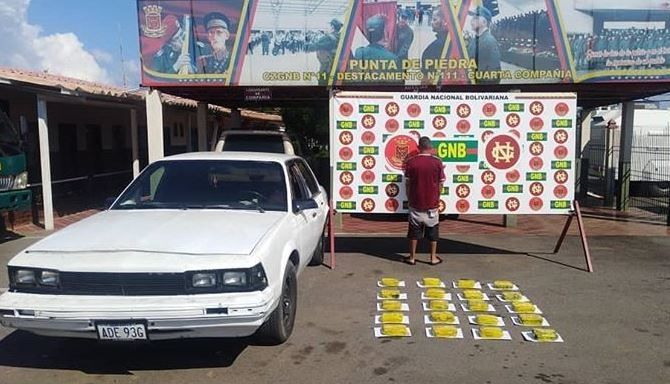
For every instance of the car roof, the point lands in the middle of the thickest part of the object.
(233, 155)
(253, 132)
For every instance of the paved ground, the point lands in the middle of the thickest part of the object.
(615, 323)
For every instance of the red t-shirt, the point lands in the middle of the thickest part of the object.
(425, 173)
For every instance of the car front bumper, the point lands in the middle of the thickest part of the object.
(166, 317)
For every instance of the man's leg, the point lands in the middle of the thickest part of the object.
(412, 251)
(433, 253)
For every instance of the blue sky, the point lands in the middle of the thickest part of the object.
(78, 38)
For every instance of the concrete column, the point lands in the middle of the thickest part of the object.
(45, 163)
(154, 125)
(202, 126)
(189, 133)
(134, 143)
(625, 152)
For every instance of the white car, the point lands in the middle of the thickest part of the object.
(198, 245)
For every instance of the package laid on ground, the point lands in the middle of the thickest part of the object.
(522, 308)
(390, 282)
(503, 285)
(430, 282)
(490, 320)
(444, 332)
(428, 319)
(512, 296)
(472, 294)
(392, 305)
(438, 305)
(490, 333)
(542, 335)
(391, 318)
(441, 317)
(393, 330)
(532, 320)
(467, 283)
(389, 294)
(435, 293)
(477, 306)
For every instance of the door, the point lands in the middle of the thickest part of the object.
(305, 220)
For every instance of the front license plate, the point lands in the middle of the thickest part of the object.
(122, 332)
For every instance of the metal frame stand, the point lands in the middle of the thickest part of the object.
(582, 233)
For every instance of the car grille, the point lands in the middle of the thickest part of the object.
(6, 182)
(122, 284)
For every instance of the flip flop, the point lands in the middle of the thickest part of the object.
(439, 260)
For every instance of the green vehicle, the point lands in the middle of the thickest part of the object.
(14, 192)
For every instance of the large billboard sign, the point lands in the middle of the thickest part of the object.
(503, 153)
(401, 43)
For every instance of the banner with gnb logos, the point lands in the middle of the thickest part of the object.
(503, 153)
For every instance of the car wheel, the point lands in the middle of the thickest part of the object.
(317, 256)
(278, 327)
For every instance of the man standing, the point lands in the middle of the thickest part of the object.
(434, 50)
(170, 59)
(218, 32)
(404, 37)
(484, 47)
(424, 176)
(326, 47)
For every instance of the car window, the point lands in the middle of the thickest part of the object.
(213, 184)
(307, 174)
(254, 143)
(298, 186)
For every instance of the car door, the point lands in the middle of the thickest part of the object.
(303, 221)
(317, 193)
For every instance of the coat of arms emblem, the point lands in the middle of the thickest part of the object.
(153, 22)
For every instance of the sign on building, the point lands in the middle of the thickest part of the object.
(503, 153)
(354, 42)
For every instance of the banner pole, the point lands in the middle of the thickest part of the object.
(564, 233)
(582, 234)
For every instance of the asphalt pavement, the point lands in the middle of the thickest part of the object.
(615, 323)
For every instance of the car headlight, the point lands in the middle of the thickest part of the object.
(203, 280)
(49, 278)
(24, 277)
(235, 278)
(227, 280)
(33, 279)
(21, 181)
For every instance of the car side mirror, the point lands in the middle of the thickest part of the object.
(301, 205)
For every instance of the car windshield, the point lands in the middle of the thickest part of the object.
(254, 143)
(208, 184)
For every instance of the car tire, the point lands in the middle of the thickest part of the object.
(279, 326)
(317, 256)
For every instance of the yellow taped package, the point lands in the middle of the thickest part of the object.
(391, 305)
(438, 305)
(436, 293)
(545, 334)
(487, 320)
(431, 282)
(472, 294)
(389, 293)
(395, 330)
(522, 307)
(478, 305)
(390, 282)
(444, 331)
(442, 317)
(491, 332)
(465, 283)
(531, 319)
(392, 317)
(512, 296)
(503, 284)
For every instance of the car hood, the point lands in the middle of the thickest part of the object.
(191, 232)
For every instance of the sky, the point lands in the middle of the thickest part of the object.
(76, 38)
